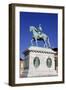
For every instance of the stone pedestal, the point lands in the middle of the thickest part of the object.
(39, 62)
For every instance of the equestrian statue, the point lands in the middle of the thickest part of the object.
(39, 35)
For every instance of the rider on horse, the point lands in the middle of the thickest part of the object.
(40, 29)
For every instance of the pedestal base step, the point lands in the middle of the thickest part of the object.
(26, 73)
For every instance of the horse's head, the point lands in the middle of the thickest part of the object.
(31, 28)
(34, 30)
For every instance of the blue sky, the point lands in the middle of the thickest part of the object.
(49, 22)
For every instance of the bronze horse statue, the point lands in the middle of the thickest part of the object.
(37, 36)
